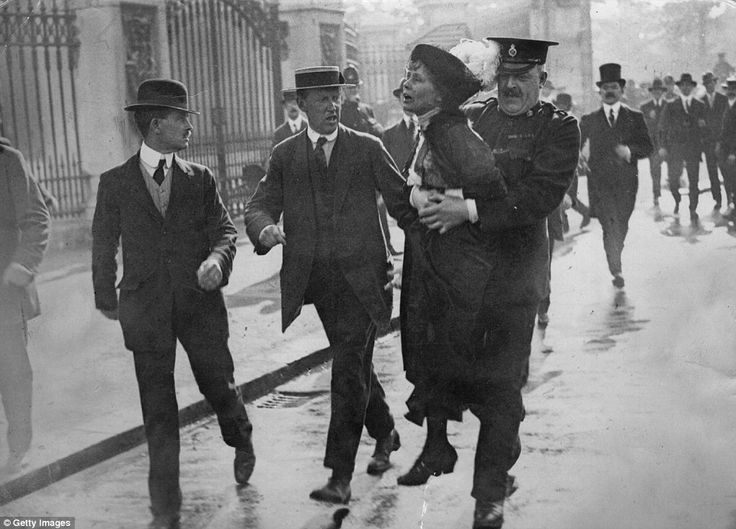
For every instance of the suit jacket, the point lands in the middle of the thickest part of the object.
(714, 115)
(652, 117)
(283, 131)
(613, 182)
(161, 255)
(360, 117)
(682, 131)
(728, 133)
(24, 232)
(399, 143)
(362, 167)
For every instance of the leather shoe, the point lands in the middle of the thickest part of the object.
(164, 521)
(488, 514)
(424, 467)
(380, 461)
(337, 490)
(245, 461)
(618, 281)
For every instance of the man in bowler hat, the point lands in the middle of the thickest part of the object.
(680, 137)
(652, 112)
(178, 245)
(618, 139)
(715, 107)
(323, 183)
(536, 151)
(727, 144)
(294, 123)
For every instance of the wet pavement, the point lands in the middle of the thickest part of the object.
(630, 420)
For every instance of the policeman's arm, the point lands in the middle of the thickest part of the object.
(534, 195)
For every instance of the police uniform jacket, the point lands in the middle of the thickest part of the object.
(680, 130)
(536, 154)
(24, 230)
(361, 167)
(161, 255)
(613, 182)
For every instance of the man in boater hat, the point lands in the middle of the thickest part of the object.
(536, 150)
(178, 245)
(322, 183)
(618, 139)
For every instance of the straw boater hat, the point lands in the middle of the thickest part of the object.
(317, 77)
(730, 82)
(162, 93)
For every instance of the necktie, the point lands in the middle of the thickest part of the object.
(160, 173)
(319, 153)
(412, 130)
(687, 106)
(611, 118)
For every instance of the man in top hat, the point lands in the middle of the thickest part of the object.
(536, 149)
(652, 111)
(727, 145)
(715, 107)
(178, 245)
(295, 122)
(618, 139)
(323, 183)
(681, 130)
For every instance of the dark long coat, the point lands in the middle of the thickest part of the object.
(161, 255)
(24, 231)
(362, 167)
(613, 183)
(652, 117)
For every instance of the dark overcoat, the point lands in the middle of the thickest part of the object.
(363, 166)
(24, 232)
(161, 255)
(613, 182)
(652, 117)
(283, 131)
(682, 131)
(714, 115)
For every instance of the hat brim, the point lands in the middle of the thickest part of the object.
(692, 83)
(622, 82)
(139, 106)
(338, 85)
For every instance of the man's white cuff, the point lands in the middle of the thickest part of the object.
(472, 210)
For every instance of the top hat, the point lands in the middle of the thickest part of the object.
(351, 76)
(317, 77)
(657, 84)
(709, 77)
(686, 78)
(453, 78)
(730, 82)
(610, 73)
(563, 99)
(162, 93)
(521, 55)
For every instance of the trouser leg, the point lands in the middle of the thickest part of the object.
(655, 168)
(613, 236)
(693, 174)
(674, 170)
(16, 386)
(711, 163)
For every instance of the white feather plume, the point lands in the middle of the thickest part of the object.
(482, 59)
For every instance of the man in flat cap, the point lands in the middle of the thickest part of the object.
(681, 143)
(536, 149)
(652, 112)
(323, 183)
(715, 107)
(618, 139)
(178, 245)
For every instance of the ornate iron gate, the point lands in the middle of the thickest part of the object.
(228, 53)
(38, 100)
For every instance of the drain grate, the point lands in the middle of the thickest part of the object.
(289, 399)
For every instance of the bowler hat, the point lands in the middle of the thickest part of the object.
(709, 77)
(563, 99)
(657, 84)
(610, 73)
(162, 93)
(453, 78)
(520, 55)
(686, 78)
(730, 82)
(317, 77)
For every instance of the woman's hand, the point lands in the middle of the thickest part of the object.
(443, 212)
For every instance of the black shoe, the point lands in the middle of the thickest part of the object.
(618, 281)
(542, 320)
(245, 461)
(164, 521)
(488, 514)
(511, 485)
(380, 462)
(337, 490)
(424, 467)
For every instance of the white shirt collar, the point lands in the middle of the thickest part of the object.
(409, 119)
(295, 123)
(314, 135)
(151, 157)
(616, 107)
(686, 99)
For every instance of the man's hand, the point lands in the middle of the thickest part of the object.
(17, 275)
(110, 314)
(444, 213)
(271, 236)
(394, 277)
(623, 152)
(209, 274)
(662, 153)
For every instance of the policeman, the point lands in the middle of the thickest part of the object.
(356, 114)
(536, 149)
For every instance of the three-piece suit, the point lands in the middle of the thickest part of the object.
(335, 257)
